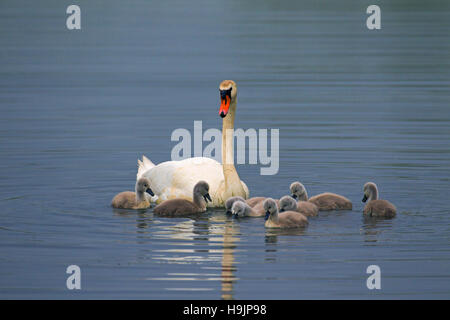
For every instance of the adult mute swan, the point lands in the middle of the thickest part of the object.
(176, 179)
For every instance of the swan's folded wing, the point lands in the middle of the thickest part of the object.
(176, 179)
(144, 165)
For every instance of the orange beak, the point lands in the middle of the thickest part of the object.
(224, 106)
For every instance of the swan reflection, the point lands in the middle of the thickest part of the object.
(373, 227)
(228, 264)
(203, 240)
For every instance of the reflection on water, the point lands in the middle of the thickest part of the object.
(273, 233)
(203, 239)
(373, 226)
(183, 238)
(228, 263)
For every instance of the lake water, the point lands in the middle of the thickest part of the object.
(352, 105)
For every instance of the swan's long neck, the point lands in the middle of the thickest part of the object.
(373, 193)
(274, 217)
(199, 201)
(304, 196)
(232, 179)
(139, 194)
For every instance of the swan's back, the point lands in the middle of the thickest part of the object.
(331, 201)
(124, 200)
(288, 219)
(292, 219)
(176, 179)
(309, 209)
(254, 201)
(127, 200)
(380, 208)
(176, 207)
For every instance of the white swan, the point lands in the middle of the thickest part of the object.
(176, 179)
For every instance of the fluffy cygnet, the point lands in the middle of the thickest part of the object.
(286, 219)
(230, 201)
(134, 200)
(251, 202)
(374, 206)
(179, 207)
(259, 210)
(325, 201)
(298, 191)
(242, 209)
(287, 203)
(254, 201)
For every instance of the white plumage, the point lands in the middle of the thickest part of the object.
(176, 179)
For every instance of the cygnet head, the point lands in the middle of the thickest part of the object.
(370, 192)
(298, 191)
(202, 189)
(228, 93)
(143, 185)
(287, 203)
(270, 206)
(230, 201)
(239, 209)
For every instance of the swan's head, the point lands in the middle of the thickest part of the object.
(230, 201)
(370, 191)
(228, 93)
(287, 203)
(238, 209)
(202, 188)
(143, 185)
(298, 191)
(270, 207)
